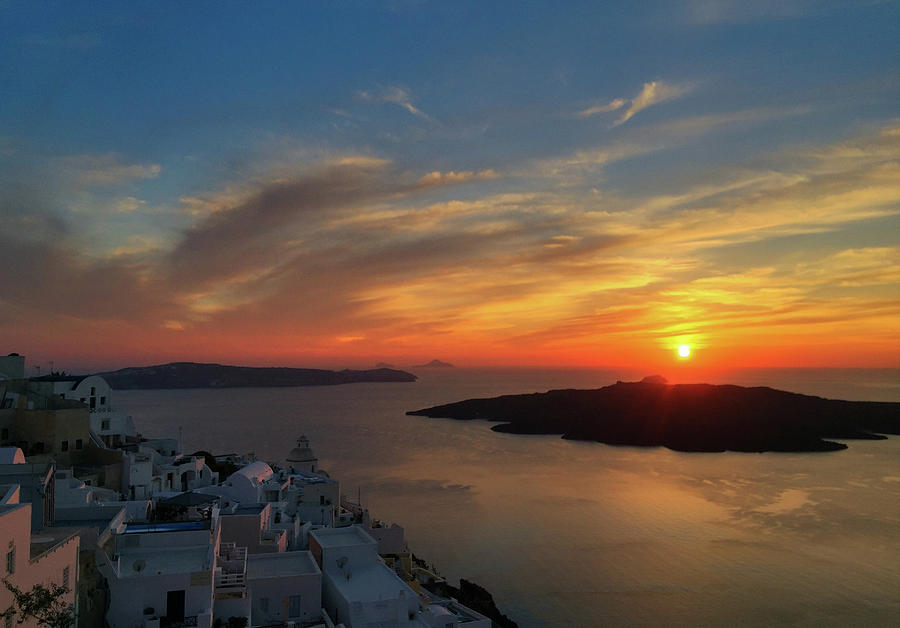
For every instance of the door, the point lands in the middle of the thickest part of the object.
(175, 605)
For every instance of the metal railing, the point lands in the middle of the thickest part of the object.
(233, 565)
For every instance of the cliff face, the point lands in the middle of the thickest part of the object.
(194, 375)
(684, 417)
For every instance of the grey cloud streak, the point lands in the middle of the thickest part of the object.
(252, 232)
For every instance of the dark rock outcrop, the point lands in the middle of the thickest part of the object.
(684, 417)
(194, 375)
(475, 597)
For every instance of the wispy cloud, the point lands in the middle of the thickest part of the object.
(452, 176)
(652, 93)
(103, 170)
(612, 105)
(582, 164)
(394, 95)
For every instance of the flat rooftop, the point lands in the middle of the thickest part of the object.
(249, 509)
(280, 564)
(46, 539)
(135, 562)
(342, 537)
(372, 583)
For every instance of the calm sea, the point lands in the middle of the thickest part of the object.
(582, 534)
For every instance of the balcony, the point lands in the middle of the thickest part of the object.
(231, 571)
(276, 538)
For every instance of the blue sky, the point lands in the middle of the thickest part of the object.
(437, 175)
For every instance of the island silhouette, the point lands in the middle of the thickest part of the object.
(433, 364)
(197, 375)
(684, 417)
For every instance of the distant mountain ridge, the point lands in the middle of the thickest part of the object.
(198, 375)
(684, 417)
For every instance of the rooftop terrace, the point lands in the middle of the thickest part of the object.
(281, 564)
(372, 583)
(342, 537)
(137, 562)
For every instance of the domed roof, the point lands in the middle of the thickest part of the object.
(302, 452)
(256, 472)
(11, 455)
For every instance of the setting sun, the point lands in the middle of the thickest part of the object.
(684, 351)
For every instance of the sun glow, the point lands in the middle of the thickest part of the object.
(684, 351)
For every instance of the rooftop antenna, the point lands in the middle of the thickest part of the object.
(51, 367)
(38, 369)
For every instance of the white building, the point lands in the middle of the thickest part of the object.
(69, 491)
(250, 526)
(284, 587)
(35, 481)
(159, 570)
(157, 468)
(357, 588)
(114, 428)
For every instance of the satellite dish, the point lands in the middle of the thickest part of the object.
(139, 564)
(341, 562)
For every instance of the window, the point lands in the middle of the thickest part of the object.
(102, 401)
(79, 444)
(93, 390)
(65, 581)
(64, 446)
(104, 424)
(11, 559)
(294, 606)
(264, 604)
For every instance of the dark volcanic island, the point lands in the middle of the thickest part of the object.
(195, 375)
(684, 417)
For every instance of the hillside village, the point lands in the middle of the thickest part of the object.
(140, 535)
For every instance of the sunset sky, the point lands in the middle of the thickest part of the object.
(488, 183)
